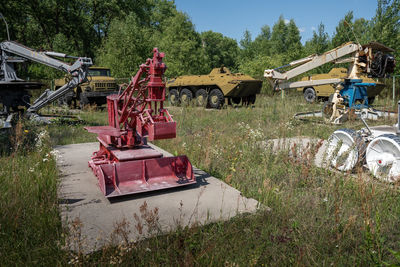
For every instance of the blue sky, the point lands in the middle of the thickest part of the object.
(233, 17)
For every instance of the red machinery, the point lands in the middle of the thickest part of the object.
(125, 164)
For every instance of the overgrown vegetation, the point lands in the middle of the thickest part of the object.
(121, 35)
(315, 216)
(30, 226)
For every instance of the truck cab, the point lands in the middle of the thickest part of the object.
(100, 85)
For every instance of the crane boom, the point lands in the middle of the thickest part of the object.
(361, 57)
(78, 70)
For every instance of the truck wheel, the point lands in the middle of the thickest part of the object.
(236, 100)
(83, 100)
(186, 96)
(201, 98)
(310, 95)
(173, 97)
(216, 99)
(252, 99)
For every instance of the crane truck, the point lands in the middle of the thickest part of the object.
(14, 91)
(373, 59)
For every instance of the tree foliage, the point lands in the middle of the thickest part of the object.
(319, 43)
(120, 34)
(126, 46)
(219, 50)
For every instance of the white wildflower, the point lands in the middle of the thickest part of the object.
(40, 138)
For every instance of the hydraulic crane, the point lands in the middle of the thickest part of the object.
(373, 59)
(13, 90)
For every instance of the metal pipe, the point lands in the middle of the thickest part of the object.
(365, 123)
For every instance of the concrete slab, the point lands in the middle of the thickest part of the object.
(96, 221)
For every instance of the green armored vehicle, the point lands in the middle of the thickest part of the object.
(211, 90)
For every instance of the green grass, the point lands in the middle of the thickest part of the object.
(30, 226)
(316, 216)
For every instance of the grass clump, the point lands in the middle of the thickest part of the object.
(30, 226)
(309, 215)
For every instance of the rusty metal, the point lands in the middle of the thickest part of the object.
(125, 164)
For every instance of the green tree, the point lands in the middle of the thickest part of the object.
(343, 33)
(160, 12)
(127, 45)
(386, 22)
(362, 30)
(103, 12)
(262, 43)
(219, 50)
(182, 45)
(385, 26)
(319, 43)
(278, 36)
(292, 41)
(257, 65)
(246, 44)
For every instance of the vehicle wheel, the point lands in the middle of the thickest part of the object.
(310, 95)
(186, 96)
(245, 101)
(201, 98)
(216, 99)
(236, 100)
(371, 100)
(346, 149)
(173, 97)
(383, 157)
(251, 99)
(83, 100)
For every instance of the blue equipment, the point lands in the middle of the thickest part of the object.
(355, 91)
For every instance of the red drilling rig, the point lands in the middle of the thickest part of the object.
(125, 164)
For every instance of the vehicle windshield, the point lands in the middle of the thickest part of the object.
(99, 72)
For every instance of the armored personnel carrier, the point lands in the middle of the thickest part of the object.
(211, 90)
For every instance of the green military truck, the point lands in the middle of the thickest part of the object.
(213, 89)
(323, 92)
(101, 84)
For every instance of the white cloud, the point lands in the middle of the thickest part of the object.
(302, 29)
(286, 21)
(313, 28)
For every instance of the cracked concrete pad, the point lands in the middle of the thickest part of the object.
(207, 201)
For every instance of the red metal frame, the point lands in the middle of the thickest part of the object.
(125, 164)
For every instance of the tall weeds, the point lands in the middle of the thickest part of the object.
(315, 216)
